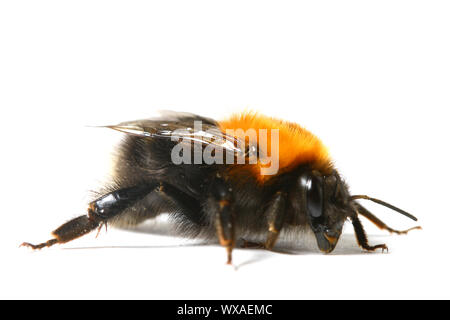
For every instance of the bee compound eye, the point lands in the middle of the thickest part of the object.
(314, 197)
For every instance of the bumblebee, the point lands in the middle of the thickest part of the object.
(236, 196)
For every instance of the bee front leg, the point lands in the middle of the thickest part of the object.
(362, 238)
(220, 205)
(380, 224)
(99, 211)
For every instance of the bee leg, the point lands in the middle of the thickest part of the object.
(362, 238)
(250, 244)
(73, 229)
(275, 213)
(99, 211)
(219, 203)
(380, 224)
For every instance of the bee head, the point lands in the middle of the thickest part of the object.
(327, 204)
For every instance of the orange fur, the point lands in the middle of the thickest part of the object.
(296, 145)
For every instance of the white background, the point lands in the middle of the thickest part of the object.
(371, 79)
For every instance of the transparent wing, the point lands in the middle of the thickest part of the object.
(182, 126)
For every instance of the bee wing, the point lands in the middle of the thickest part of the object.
(182, 126)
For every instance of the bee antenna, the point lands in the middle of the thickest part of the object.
(390, 206)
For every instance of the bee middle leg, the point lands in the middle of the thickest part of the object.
(275, 214)
(99, 212)
(219, 203)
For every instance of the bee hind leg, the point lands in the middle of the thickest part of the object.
(73, 229)
(99, 211)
